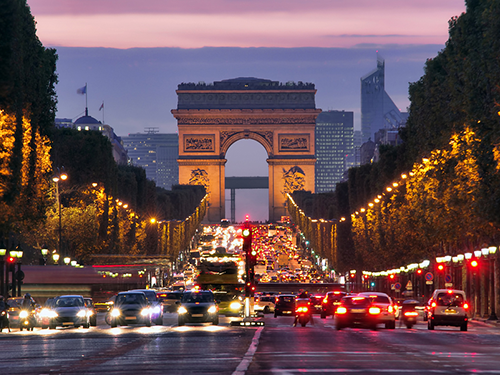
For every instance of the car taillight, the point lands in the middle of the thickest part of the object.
(390, 309)
(325, 300)
(341, 310)
(411, 313)
(302, 309)
(433, 304)
(374, 310)
(466, 305)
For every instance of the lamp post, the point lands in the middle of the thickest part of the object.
(55, 258)
(19, 275)
(492, 259)
(61, 176)
(67, 260)
(3, 251)
(45, 252)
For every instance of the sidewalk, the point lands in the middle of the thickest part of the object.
(494, 323)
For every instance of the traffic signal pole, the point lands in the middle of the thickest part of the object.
(250, 260)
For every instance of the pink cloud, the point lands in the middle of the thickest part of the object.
(245, 23)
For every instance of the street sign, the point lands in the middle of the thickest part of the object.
(448, 285)
(397, 286)
(429, 276)
(447, 279)
(409, 285)
(429, 282)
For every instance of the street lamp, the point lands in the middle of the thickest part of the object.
(45, 252)
(56, 257)
(67, 260)
(17, 277)
(61, 176)
(492, 251)
(3, 251)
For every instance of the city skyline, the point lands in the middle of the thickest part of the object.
(138, 85)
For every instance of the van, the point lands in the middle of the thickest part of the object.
(448, 307)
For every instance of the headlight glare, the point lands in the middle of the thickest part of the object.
(235, 306)
(182, 310)
(212, 309)
(82, 313)
(146, 311)
(23, 314)
(115, 312)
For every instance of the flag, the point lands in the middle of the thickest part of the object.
(82, 90)
(102, 106)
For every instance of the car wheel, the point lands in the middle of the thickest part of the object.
(180, 322)
(463, 327)
(159, 321)
(339, 326)
(93, 322)
(52, 326)
(390, 325)
(216, 321)
(267, 310)
(112, 323)
(430, 325)
(20, 328)
(86, 325)
(275, 314)
(323, 315)
(45, 327)
(77, 325)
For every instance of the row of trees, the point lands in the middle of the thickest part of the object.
(106, 209)
(450, 199)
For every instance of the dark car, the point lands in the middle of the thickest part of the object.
(198, 306)
(130, 308)
(156, 307)
(69, 310)
(89, 304)
(284, 305)
(358, 311)
(168, 300)
(15, 304)
(330, 303)
(316, 301)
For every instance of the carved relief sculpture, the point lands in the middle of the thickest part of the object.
(294, 179)
(200, 177)
(199, 143)
(294, 142)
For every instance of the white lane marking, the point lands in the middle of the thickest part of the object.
(247, 359)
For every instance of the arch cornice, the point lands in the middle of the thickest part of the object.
(227, 138)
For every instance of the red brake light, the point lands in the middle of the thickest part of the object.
(390, 309)
(336, 292)
(466, 305)
(450, 291)
(411, 313)
(325, 300)
(433, 304)
(374, 310)
(341, 310)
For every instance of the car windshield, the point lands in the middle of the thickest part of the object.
(380, 299)
(131, 299)
(287, 299)
(197, 297)
(450, 299)
(69, 302)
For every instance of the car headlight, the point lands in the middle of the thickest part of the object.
(115, 313)
(156, 310)
(146, 311)
(212, 309)
(182, 310)
(23, 314)
(82, 313)
(235, 306)
(52, 314)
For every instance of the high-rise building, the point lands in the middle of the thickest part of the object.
(157, 153)
(334, 148)
(378, 111)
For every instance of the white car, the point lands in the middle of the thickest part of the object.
(387, 307)
(264, 304)
(448, 307)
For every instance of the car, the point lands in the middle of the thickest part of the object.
(284, 304)
(448, 307)
(156, 307)
(316, 301)
(130, 307)
(229, 304)
(69, 310)
(89, 304)
(264, 304)
(15, 304)
(330, 303)
(387, 310)
(168, 300)
(47, 313)
(197, 306)
(358, 311)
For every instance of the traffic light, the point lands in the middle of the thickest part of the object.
(246, 233)
(440, 267)
(11, 263)
(391, 276)
(419, 271)
(250, 289)
(474, 264)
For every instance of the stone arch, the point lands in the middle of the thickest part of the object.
(264, 138)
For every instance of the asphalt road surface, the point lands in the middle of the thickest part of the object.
(277, 348)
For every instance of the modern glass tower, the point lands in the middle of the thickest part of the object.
(157, 154)
(378, 111)
(334, 148)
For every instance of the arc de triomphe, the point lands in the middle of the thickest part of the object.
(281, 117)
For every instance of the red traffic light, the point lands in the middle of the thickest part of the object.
(11, 259)
(440, 267)
(474, 263)
(419, 271)
(391, 276)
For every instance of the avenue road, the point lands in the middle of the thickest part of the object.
(277, 348)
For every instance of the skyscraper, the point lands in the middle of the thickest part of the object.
(157, 154)
(378, 111)
(334, 148)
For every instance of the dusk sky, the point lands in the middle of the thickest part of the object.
(133, 54)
